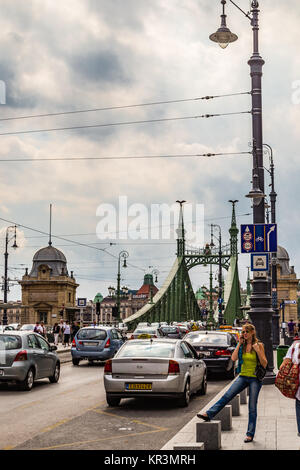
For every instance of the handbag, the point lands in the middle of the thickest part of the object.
(260, 371)
(287, 379)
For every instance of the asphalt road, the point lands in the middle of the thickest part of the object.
(73, 414)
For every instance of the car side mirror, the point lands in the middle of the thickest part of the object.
(53, 348)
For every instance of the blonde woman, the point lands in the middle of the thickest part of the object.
(248, 352)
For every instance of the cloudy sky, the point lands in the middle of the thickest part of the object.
(93, 54)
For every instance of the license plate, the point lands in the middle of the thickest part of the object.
(138, 386)
(91, 344)
(1, 372)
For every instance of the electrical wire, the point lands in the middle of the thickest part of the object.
(141, 157)
(125, 123)
(110, 108)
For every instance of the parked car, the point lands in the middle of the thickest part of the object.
(171, 332)
(95, 344)
(146, 332)
(26, 357)
(15, 326)
(143, 324)
(27, 327)
(217, 347)
(165, 368)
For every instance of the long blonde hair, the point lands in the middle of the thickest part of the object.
(250, 328)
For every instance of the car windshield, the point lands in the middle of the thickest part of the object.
(147, 350)
(170, 329)
(218, 340)
(91, 333)
(149, 331)
(8, 342)
(27, 327)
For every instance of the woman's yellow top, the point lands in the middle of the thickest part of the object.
(249, 364)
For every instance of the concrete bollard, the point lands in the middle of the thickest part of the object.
(189, 446)
(243, 397)
(225, 416)
(235, 403)
(210, 434)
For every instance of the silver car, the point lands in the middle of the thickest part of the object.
(166, 368)
(25, 357)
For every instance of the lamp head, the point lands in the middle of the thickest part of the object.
(223, 36)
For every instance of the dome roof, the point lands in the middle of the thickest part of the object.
(282, 253)
(49, 253)
(51, 257)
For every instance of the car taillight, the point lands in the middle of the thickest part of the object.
(107, 343)
(222, 352)
(132, 337)
(21, 356)
(173, 367)
(108, 367)
(154, 336)
(73, 343)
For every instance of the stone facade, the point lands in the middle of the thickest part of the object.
(48, 292)
(287, 285)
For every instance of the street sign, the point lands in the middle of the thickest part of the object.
(220, 301)
(290, 301)
(81, 302)
(258, 238)
(260, 262)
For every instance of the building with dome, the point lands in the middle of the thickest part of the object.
(48, 291)
(287, 284)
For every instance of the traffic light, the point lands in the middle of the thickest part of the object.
(115, 312)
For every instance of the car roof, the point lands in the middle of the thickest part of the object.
(204, 332)
(154, 340)
(17, 332)
(98, 327)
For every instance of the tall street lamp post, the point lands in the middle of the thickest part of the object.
(273, 195)
(124, 255)
(5, 283)
(261, 311)
(220, 300)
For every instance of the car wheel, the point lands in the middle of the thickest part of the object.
(203, 389)
(112, 401)
(55, 377)
(75, 362)
(27, 384)
(185, 399)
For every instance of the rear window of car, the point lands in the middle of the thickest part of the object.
(208, 339)
(149, 331)
(8, 342)
(147, 350)
(91, 333)
(27, 327)
(167, 329)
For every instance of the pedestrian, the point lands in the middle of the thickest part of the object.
(296, 360)
(67, 333)
(74, 329)
(56, 330)
(61, 331)
(291, 327)
(43, 330)
(38, 329)
(248, 352)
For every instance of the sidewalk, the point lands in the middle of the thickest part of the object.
(276, 427)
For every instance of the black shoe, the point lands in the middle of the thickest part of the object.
(204, 417)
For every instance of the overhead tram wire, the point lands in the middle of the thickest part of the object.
(111, 108)
(70, 241)
(136, 157)
(125, 123)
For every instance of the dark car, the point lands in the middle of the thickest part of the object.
(217, 348)
(172, 332)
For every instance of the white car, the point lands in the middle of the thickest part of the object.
(123, 327)
(164, 368)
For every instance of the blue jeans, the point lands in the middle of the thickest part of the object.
(298, 414)
(238, 386)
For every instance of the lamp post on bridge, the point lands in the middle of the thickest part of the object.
(220, 300)
(124, 255)
(5, 279)
(260, 302)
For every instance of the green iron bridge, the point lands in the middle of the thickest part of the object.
(176, 300)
